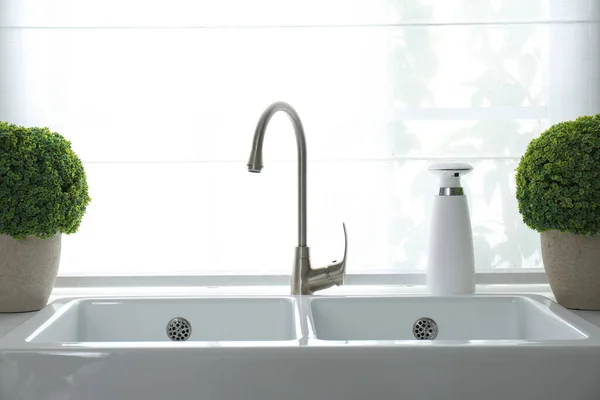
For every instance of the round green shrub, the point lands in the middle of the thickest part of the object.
(43, 187)
(558, 178)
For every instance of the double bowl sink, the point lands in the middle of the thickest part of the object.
(289, 321)
(284, 347)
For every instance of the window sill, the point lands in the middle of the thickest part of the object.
(122, 291)
(491, 277)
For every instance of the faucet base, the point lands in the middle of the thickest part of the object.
(300, 271)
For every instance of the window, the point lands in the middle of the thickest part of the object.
(160, 100)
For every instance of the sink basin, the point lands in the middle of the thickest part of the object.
(145, 320)
(473, 318)
(285, 347)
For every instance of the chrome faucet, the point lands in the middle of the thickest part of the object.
(305, 280)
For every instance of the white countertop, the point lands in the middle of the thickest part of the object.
(9, 321)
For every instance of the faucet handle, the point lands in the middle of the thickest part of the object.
(333, 274)
(336, 271)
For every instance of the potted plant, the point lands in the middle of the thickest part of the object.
(558, 192)
(43, 194)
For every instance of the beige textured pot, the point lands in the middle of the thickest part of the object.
(572, 263)
(28, 269)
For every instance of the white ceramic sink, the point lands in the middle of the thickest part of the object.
(145, 320)
(294, 348)
(478, 318)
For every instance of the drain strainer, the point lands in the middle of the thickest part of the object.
(425, 329)
(179, 329)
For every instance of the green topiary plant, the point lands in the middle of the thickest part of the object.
(558, 178)
(43, 187)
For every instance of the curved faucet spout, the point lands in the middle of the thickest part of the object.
(305, 280)
(255, 162)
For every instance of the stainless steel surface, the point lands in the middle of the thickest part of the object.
(179, 329)
(451, 191)
(305, 280)
(425, 329)
(255, 163)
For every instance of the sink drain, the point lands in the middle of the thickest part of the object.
(179, 329)
(425, 329)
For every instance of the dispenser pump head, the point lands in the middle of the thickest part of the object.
(450, 173)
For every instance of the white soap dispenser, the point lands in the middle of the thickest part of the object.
(451, 264)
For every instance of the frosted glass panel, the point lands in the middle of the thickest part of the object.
(189, 217)
(184, 95)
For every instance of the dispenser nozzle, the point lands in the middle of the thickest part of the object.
(450, 173)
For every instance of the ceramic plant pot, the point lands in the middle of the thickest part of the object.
(572, 263)
(28, 269)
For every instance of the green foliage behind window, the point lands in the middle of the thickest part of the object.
(43, 187)
(558, 178)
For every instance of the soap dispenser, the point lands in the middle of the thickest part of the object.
(450, 264)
